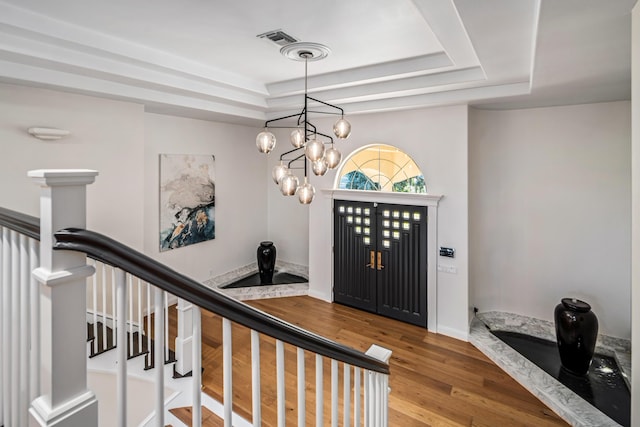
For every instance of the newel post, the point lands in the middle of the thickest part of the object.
(65, 399)
(184, 338)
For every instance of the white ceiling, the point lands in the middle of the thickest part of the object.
(202, 58)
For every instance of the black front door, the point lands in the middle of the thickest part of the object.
(380, 259)
(354, 255)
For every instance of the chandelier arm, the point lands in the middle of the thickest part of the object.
(307, 131)
(326, 136)
(327, 104)
(302, 114)
(324, 112)
(283, 127)
(280, 118)
(298, 158)
(289, 152)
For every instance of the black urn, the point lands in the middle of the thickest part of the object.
(576, 332)
(266, 262)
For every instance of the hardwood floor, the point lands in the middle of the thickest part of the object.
(434, 381)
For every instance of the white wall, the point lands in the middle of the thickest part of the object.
(635, 144)
(436, 138)
(123, 142)
(550, 210)
(240, 214)
(105, 135)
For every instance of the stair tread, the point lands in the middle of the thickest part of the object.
(209, 419)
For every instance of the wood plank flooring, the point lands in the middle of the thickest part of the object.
(435, 380)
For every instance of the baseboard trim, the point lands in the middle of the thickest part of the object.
(320, 295)
(453, 333)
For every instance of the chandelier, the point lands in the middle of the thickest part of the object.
(310, 146)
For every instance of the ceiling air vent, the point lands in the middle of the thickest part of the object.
(279, 37)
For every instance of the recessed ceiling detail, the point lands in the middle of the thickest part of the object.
(388, 56)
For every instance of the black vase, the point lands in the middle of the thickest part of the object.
(576, 332)
(266, 262)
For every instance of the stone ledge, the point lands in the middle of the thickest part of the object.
(571, 407)
(264, 291)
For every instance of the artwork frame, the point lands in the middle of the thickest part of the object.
(187, 200)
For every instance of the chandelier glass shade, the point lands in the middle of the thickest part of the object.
(279, 172)
(320, 167)
(265, 141)
(309, 145)
(333, 157)
(297, 138)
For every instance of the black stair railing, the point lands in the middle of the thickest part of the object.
(111, 252)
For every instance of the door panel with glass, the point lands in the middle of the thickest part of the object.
(380, 259)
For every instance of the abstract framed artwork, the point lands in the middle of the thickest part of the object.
(187, 200)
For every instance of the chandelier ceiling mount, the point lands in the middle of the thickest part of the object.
(310, 145)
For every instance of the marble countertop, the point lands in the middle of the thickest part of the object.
(571, 407)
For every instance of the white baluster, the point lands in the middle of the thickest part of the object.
(319, 392)
(227, 364)
(334, 393)
(367, 397)
(255, 379)
(23, 363)
(158, 322)
(196, 364)
(34, 388)
(346, 395)
(4, 314)
(280, 392)
(301, 389)
(104, 309)
(94, 283)
(148, 331)
(15, 329)
(130, 318)
(113, 307)
(385, 400)
(121, 345)
(140, 324)
(166, 326)
(356, 396)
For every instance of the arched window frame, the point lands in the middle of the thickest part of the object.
(372, 175)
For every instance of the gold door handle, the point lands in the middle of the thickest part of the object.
(372, 260)
(380, 266)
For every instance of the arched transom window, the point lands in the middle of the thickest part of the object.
(381, 167)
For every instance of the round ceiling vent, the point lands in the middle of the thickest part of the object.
(301, 51)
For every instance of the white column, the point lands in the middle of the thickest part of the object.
(376, 392)
(65, 399)
(184, 337)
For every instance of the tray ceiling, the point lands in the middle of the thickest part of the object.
(203, 59)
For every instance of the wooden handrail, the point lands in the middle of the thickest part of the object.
(109, 251)
(22, 223)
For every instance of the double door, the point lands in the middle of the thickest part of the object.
(380, 259)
